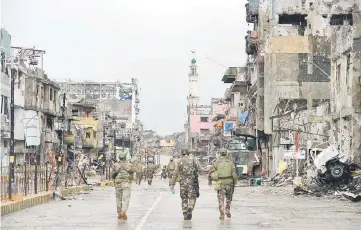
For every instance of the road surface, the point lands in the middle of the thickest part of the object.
(155, 207)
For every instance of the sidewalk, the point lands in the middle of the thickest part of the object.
(33, 200)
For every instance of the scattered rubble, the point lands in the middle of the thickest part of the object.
(332, 176)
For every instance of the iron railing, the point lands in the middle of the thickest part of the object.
(28, 180)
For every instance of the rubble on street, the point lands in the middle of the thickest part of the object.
(334, 176)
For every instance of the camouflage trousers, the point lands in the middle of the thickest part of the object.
(170, 176)
(225, 192)
(188, 195)
(122, 195)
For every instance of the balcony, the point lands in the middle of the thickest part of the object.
(231, 74)
(240, 86)
(252, 11)
(51, 108)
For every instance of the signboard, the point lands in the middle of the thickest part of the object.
(292, 154)
(227, 129)
(204, 110)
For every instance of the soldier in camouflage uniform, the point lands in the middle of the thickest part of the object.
(224, 173)
(150, 172)
(186, 169)
(171, 168)
(122, 173)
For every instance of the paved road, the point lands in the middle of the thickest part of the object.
(154, 207)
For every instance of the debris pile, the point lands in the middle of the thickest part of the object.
(332, 175)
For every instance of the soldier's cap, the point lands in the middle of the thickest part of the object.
(223, 150)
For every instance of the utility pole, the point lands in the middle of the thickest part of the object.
(32, 54)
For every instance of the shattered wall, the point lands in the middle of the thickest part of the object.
(346, 88)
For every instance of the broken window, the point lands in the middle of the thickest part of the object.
(348, 63)
(4, 105)
(51, 94)
(87, 135)
(49, 123)
(3, 62)
(205, 131)
(94, 134)
(204, 119)
(338, 73)
(341, 20)
(6, 143)
(293, 19)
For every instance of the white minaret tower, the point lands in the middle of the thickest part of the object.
(193, 98)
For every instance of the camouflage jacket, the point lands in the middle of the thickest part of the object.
(123, 170)
(186, 169)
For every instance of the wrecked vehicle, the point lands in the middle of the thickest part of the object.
(242, 152)
(332, 168)
(334, 176)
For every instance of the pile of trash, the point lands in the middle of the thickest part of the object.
(333, 175)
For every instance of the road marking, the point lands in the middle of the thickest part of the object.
(150, 210)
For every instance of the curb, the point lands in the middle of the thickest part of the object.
(104, 183)
(38, 199)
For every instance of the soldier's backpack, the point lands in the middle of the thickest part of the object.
(187, 167)
(224, 169)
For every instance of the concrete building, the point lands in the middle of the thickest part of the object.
(293, 51)
(5, 44)
(112, 99)
(42, 109)
(346, 84)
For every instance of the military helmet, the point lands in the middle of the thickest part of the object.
(122, 155)
(184, 152)
(223, 151)
(171, 159)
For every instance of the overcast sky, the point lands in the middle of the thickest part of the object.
(106, 40)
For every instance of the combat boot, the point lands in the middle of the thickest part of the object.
(221, 216)
(189, 214)
(185, 215)
(228, 213)
(123, 215)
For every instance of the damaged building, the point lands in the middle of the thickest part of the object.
(42, 108)
(299, 52)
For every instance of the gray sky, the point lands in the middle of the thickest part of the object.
(106, 40)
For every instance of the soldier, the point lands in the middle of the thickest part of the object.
(223, 172)
(150, 172)
(122, 174)
(187, 170)
(171, 168)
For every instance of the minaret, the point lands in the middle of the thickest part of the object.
(193, 98)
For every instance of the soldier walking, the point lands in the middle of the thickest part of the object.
(171, 168)
(122, 174)
(187, 171)
(150, 172)
(224, 173)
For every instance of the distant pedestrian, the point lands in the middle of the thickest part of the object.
(171, 169)
(224, 173)
(122, 174)
(187, 171)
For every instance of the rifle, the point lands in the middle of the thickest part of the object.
(196, 181)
